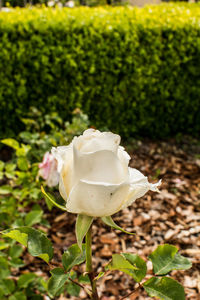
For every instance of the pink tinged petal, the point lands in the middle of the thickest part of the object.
(96, 200)
(53, 175)
(45, 160)
(100, 166)
(62, 154)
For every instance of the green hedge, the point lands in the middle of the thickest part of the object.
(136, 71)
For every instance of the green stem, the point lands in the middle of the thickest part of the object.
(91, 274)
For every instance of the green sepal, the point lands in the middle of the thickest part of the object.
(50, 198)
(109, 221)
(83, 224)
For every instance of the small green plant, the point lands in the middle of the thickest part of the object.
(20, 191)
(164, 259)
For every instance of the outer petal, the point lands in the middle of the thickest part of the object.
(97, 200)
(93, 140)
(100, 166)
(139, 185)
(66, 178)
(123, 156)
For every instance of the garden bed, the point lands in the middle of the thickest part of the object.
(171, 216)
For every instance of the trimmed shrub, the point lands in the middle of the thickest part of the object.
(133, 70)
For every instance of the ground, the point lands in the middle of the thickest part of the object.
(171, 216)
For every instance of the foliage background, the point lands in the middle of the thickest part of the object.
(134, 70)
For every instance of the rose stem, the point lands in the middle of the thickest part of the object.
(89, 264)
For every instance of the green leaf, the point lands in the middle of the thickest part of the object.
(57, 281)
(5, 189)
(4, 269)
(73, 289)
(23, 150)
(7, 285)
(38, 244)
(83, 224)
(137, 261)
(109, 221)
(1, 165)
(11, 143)
(22, 163)
(33, 217)
(165, 259)
(10, 167)
(50, 198)
(100, 275)
(15, 251)
(25, 279)
(18, 296)
(73, 256)
(16, 263)
(17, 235)
(164, 288)
(120, 263)
(3, 245)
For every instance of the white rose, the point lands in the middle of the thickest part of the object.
(95, 179)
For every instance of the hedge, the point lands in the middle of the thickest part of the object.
(133, 70)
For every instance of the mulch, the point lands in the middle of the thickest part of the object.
(171, 216)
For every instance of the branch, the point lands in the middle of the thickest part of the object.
(88, 291)
(133, 292)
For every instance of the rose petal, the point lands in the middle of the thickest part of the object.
(139, 185)
(94, 140)
(100, 166)
(97, 200)
(123, 156)
(62, 154)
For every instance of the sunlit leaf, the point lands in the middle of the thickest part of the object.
(11, 143)
(38, 244)
(22, 163)
(166, 258)
(140, 264)
(120, 263)
(164, 288)
(5, 189)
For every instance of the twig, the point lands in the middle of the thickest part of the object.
(131, 293)
(88, 291)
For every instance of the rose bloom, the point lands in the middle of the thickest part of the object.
(48, 170)
(95, 179)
